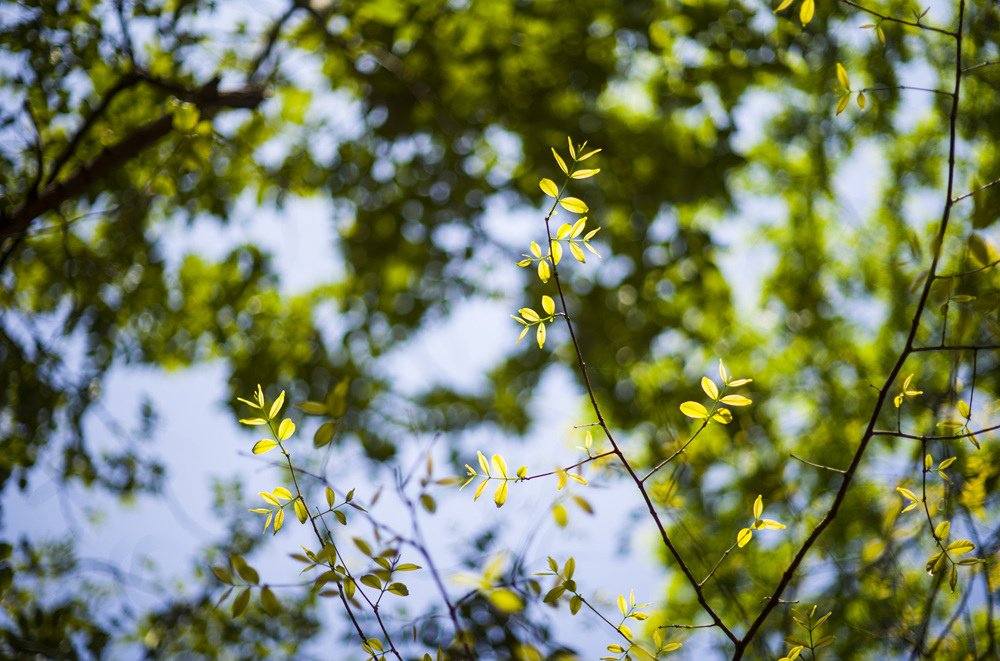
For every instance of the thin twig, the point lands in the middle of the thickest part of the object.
(804, 461)
(973, 192)
(901, 21)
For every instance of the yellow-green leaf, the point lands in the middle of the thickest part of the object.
(282, 492)
(559, 161)
(736, 400)
(505, 600)
(785, 4)
(862, 100)
(709, 387)
(694, 410)
(544, 272)
(264, 445)
(842, 104)
(269, 498)
(577, 253)
(744, 537)
(845, 82)
(540, 335)
(556, 251)
(548, 305)
(480, 489)
(549, 187)
(758, 507)
(500, 495)
(253, 421)
(585, 174)
(622, 606)
(276, 407)
(285, 429)
(529, 315)
(574, 205)
(961, 547)
(560, 515)
(806, 11)
(564, 231)
(279, 520)
(500, 464)
(241, 602)
(301, 513)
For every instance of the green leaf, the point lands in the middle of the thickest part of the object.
(372, 581)
(269, 602)
(549, 187)
(398, 589)
(240, 602)
(324, 434)
(223, 575)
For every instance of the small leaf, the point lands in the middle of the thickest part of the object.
(572, 151)
(480, 489)
(505, 600)
(574, 205)
(942, 530)
(694, 410)
(371, 580)
(559, 161)
(736, 400)
(268, 498)
(276, 406)
(241, 602)
(622, 606)
(578, 253)
(223, 575)
(324, 434)
(540, 335)
(529, 314)
(548, 305)
(555, 251)
(283, 493)
(560, 515)
(269, 602)
(585, 174)
(285, 429)
(744, 537)
(544, 271)
(500, 495)
(842, 104)
(398, 589)
(549, 187)
(862, 100)
(709, 387)
(785, 4)
(961, 547)
(264, 445)
(845, 82)
(312, 408)
(806, 11)
(331, 496)
(253, 421)
(758, 507)
(301, 512)
(500, 464)
(279, 520)
(906, 493)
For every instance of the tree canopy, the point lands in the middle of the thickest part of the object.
(806, 192)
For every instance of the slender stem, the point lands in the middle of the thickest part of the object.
(829, 468)
(885, 88)
(957, 347)
(657, 467)
(901, 21)
(976, 190)
(950, 437)
(593, 457)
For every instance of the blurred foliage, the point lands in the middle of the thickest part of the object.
(741, 218)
